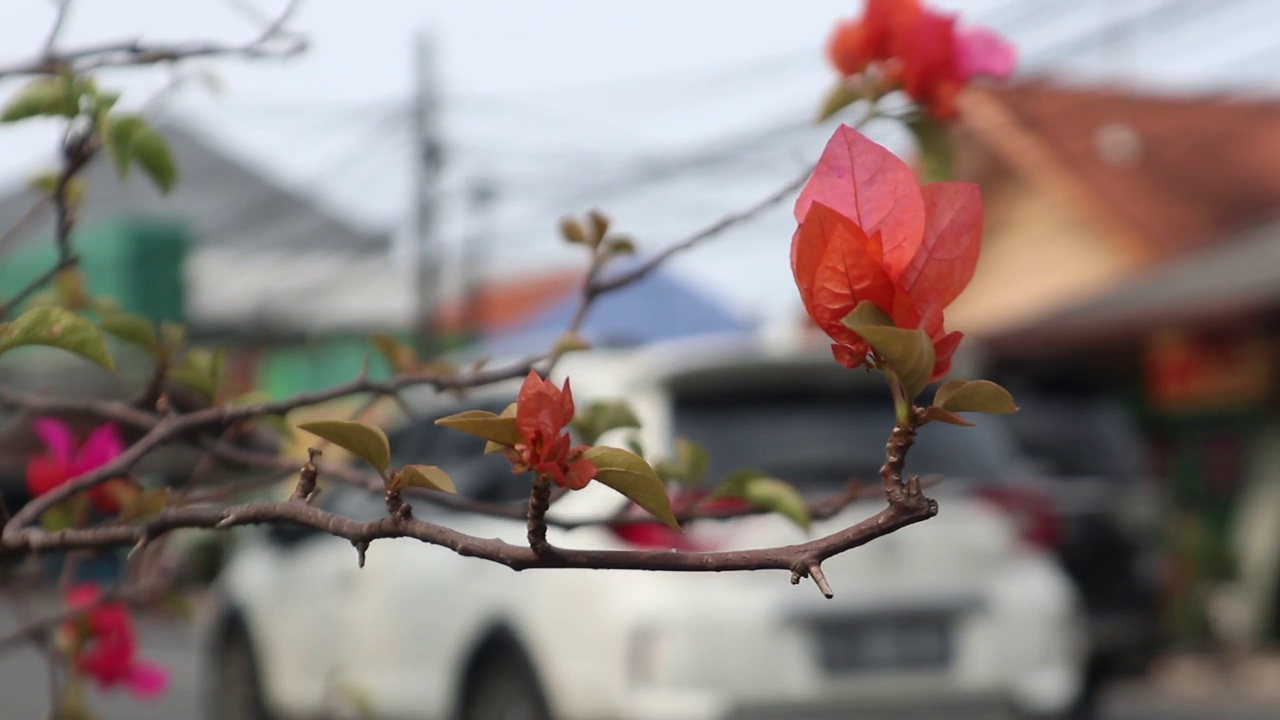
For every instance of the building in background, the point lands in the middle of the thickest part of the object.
(1132, 249)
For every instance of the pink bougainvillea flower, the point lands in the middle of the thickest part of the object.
(543, 413)
(63, 460)
(982, 53)
(920, 51)
(105, 646)
(869, 231)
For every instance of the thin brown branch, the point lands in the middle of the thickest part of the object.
(175, 427)
(59, 21)
(274, 40)
(710, 231)
(789, 557)
(539, 502)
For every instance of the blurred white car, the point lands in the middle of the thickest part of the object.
(957, 616)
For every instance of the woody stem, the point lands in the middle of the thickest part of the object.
(539, 502)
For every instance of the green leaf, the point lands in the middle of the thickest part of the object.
(366, 442)
(867, 313)
(42, 96)
(599, 418)
(57, 327)
(689, 466)
(400, 357)
(630, 475)
(936, 154)
(981, 396)
(909, 353)
(766, 493)
(133, 329)
(599, 226)
(118, 134)
(620, 246)
(172, 334)
(57, 518)
(937, 414)
(200, 370)
(427, 476)
(838, 98)
(484, 425)
(570, 342)
(151, 151)
(571, 230)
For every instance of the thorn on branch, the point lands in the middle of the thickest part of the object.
(812, 568)
(362, 547)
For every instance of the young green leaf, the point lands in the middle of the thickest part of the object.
(118, 134)
(981, 396)
(570, 342)
(937, 414)
(867, 313)
(484, 425)
(620, 245)
(908, 352)
(366, 442)
(200, 370)
(630, 475)
(60, 328)
(400, 357)
(766, 493)
(42, 96)
(133, 329)
(571, 230)
(689, 466)
(427, 476)
(151, 151)
(599, 225)
(599, 418)
(934, 142)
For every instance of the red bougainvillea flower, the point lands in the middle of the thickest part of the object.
(919, 50)
(105, 648)
(63, 460)
(877, 36)
(543, 412)
(869, 231)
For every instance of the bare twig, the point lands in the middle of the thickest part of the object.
(539, 502)
(59, 20)
(272, 41)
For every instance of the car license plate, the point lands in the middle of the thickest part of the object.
(884, 643)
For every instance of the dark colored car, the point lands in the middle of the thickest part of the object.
(1107, 507)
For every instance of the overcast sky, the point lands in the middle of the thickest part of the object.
(666, 113)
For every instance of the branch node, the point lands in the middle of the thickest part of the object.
(306, 487)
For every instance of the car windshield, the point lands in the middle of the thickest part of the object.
(820, 443)
(1073, 438)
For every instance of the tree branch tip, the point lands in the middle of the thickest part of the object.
(820, 579)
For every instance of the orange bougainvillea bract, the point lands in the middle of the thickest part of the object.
(543, 412)
(920, 51)
(869, 231)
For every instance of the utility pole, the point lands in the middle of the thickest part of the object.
(482, 192)
(428, 162)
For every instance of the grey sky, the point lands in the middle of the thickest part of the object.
(666, 113)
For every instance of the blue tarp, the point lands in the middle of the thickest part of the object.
(657, 307)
